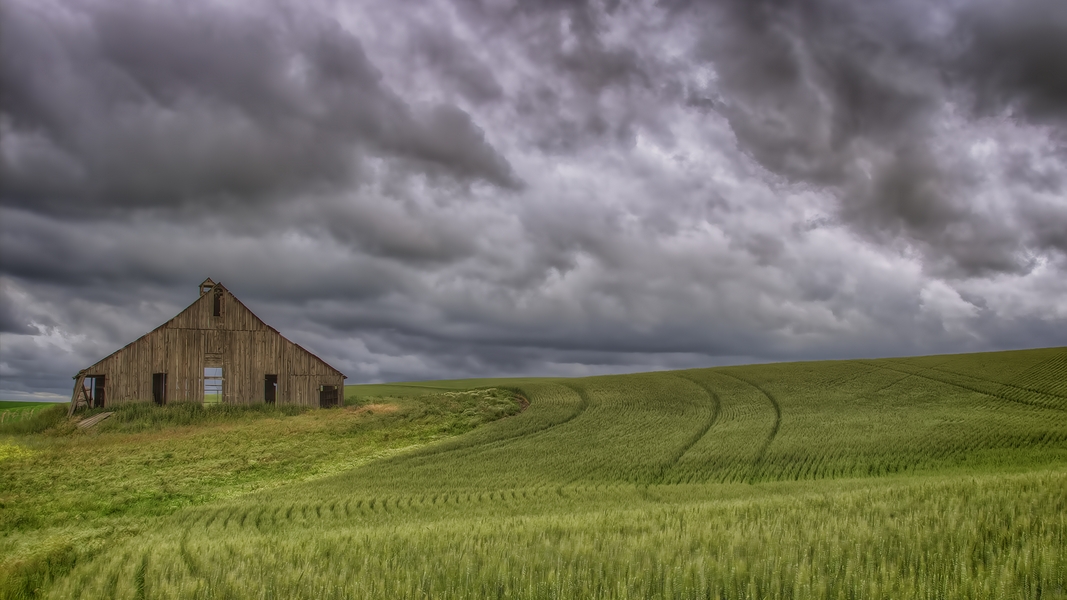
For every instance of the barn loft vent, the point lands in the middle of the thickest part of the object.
(217, 310)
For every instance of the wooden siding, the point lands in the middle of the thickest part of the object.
(247, 349)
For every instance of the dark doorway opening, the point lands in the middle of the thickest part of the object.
(328, 396)
(270, 389)
(159, 388)
(97, 390)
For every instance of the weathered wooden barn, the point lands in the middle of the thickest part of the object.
(214, 351)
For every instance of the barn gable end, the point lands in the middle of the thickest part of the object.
(215, 350)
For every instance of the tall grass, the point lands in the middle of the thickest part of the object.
(930, 477)
(148, 417)
(964, 537)
(117, 478)
(32, 420)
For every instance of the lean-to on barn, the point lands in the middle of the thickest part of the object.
(214, 351)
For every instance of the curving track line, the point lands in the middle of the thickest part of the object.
(583, 404)
(777, 420)
(847, 378)
(699, 434)
(971, 389)
(884, 387)
(1011, 385)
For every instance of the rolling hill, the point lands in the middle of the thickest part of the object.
(927, 477)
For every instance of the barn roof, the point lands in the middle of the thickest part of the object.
(206, 286)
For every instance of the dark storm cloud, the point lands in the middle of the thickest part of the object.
(1014, 56)
(11, 319)
(860, 100)
(599, 91)
(856, 97)
(158, 104)
(549, 188)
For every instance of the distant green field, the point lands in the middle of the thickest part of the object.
(929, 477)
(11, 411)
(15, 405)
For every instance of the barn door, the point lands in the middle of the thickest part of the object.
(270, 388)
(213, 380)
(327, 396)
(159, 388)
(99, 390)
(213, 385)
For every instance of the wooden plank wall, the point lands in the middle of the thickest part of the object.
(249, 350)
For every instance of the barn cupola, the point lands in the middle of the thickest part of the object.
(206, 286)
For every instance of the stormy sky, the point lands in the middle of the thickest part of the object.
(480, 188)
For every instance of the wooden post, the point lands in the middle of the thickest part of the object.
(79, 391)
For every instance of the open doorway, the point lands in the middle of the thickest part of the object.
(212, 385)
(270, 388)
(96, 390)
(159, 388)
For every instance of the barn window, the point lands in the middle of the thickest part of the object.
(212, 385)
(218, 304)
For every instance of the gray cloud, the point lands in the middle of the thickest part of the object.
(457, 64)
(865, 100)
(11, 319)
(1014, 57)
(547, 188)
(160, 104)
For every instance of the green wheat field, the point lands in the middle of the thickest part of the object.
(930, 477)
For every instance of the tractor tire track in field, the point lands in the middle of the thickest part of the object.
(885, 387)
(699, 434)
(974, 389)
(583, 404)
(774, 430)
(1011, 385)
(523, 395)
(847, 378)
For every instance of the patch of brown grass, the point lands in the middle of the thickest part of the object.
(375, 409)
